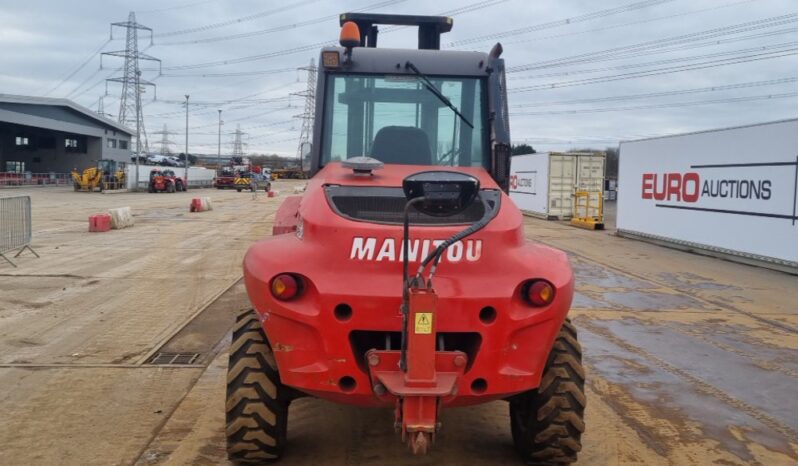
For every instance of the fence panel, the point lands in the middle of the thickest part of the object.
(15, 226)
(14, 179)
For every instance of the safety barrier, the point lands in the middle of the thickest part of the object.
(14, 179)
(15, 226)
(588, 210)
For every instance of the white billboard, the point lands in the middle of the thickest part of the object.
(733, 190)
(529, 182)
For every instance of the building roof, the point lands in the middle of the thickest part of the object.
(58, 102)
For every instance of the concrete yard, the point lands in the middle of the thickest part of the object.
(691, 360)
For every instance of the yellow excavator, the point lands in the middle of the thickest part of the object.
(107, 175)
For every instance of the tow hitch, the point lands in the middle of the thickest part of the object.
(419, 374)
(430, 376)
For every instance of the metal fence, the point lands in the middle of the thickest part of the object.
(15, 226)
(13, 179)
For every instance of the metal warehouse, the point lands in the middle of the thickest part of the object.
(44, 135)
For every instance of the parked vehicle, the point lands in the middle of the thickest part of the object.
(252, 182)
(401, 277)
(165, 181)
(108, 174)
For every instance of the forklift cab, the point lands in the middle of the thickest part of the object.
(108, 167)
(410, 106)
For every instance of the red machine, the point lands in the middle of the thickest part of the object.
(402, 279)
(226, 177)
(165, 181)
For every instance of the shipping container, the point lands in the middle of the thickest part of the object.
(544, 184)
(727, 192)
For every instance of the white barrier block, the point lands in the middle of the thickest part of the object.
(300, 189)
(207, 204)
(121, 218)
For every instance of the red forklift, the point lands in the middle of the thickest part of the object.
(165, 181)
(401, 278)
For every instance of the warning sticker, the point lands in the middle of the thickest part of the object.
(424, 322)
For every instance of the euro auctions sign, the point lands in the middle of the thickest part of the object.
(734, 190)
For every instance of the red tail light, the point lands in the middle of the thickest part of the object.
(539, 293)
(285, 286)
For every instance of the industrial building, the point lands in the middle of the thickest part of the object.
(50, 135)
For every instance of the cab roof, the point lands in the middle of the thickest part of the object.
(429, 62)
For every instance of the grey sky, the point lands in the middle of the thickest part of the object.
(43, 41)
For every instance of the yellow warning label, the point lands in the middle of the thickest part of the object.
(424, 322)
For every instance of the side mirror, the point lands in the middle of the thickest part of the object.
(444, 193)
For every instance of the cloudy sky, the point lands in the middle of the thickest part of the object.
(583, 73)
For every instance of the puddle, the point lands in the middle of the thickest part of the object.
(595, 275)
(693, 281)
(667, 394)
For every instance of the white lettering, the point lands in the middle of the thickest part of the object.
(363, 250)
(388, 250)
(366, 249)
(455, 252)
(473, 250)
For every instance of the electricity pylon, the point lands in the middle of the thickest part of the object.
(306, 132)
(130, 110)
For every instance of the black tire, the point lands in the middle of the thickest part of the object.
(238, 190)
(547, 423)
(257, 402)
(268, 187)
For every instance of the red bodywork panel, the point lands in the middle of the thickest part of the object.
(221, 182)
(313, 346)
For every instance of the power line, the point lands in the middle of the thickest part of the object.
(79, 67)
(727, 87)
(660, 71)
(783, 95)
(661, 62)
(231, 74)
(622, 52)
(237, 20)
(563, 22)
(304, 48)
(177, 7)
(454, 12)
(97, 83)
(284, 27)
(636, 22)
(82, 83)
(234, 61)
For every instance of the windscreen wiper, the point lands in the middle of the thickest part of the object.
(431, 87)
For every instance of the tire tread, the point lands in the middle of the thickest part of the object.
(256, 410)
(548, 422)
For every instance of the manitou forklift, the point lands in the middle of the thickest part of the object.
(401, 278)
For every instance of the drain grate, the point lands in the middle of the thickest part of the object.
(174, 358)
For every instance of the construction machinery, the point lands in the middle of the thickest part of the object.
(238, 174)
(293, 173)
(165, 181)
(106, 175)
(401, 278)
(252, 182)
